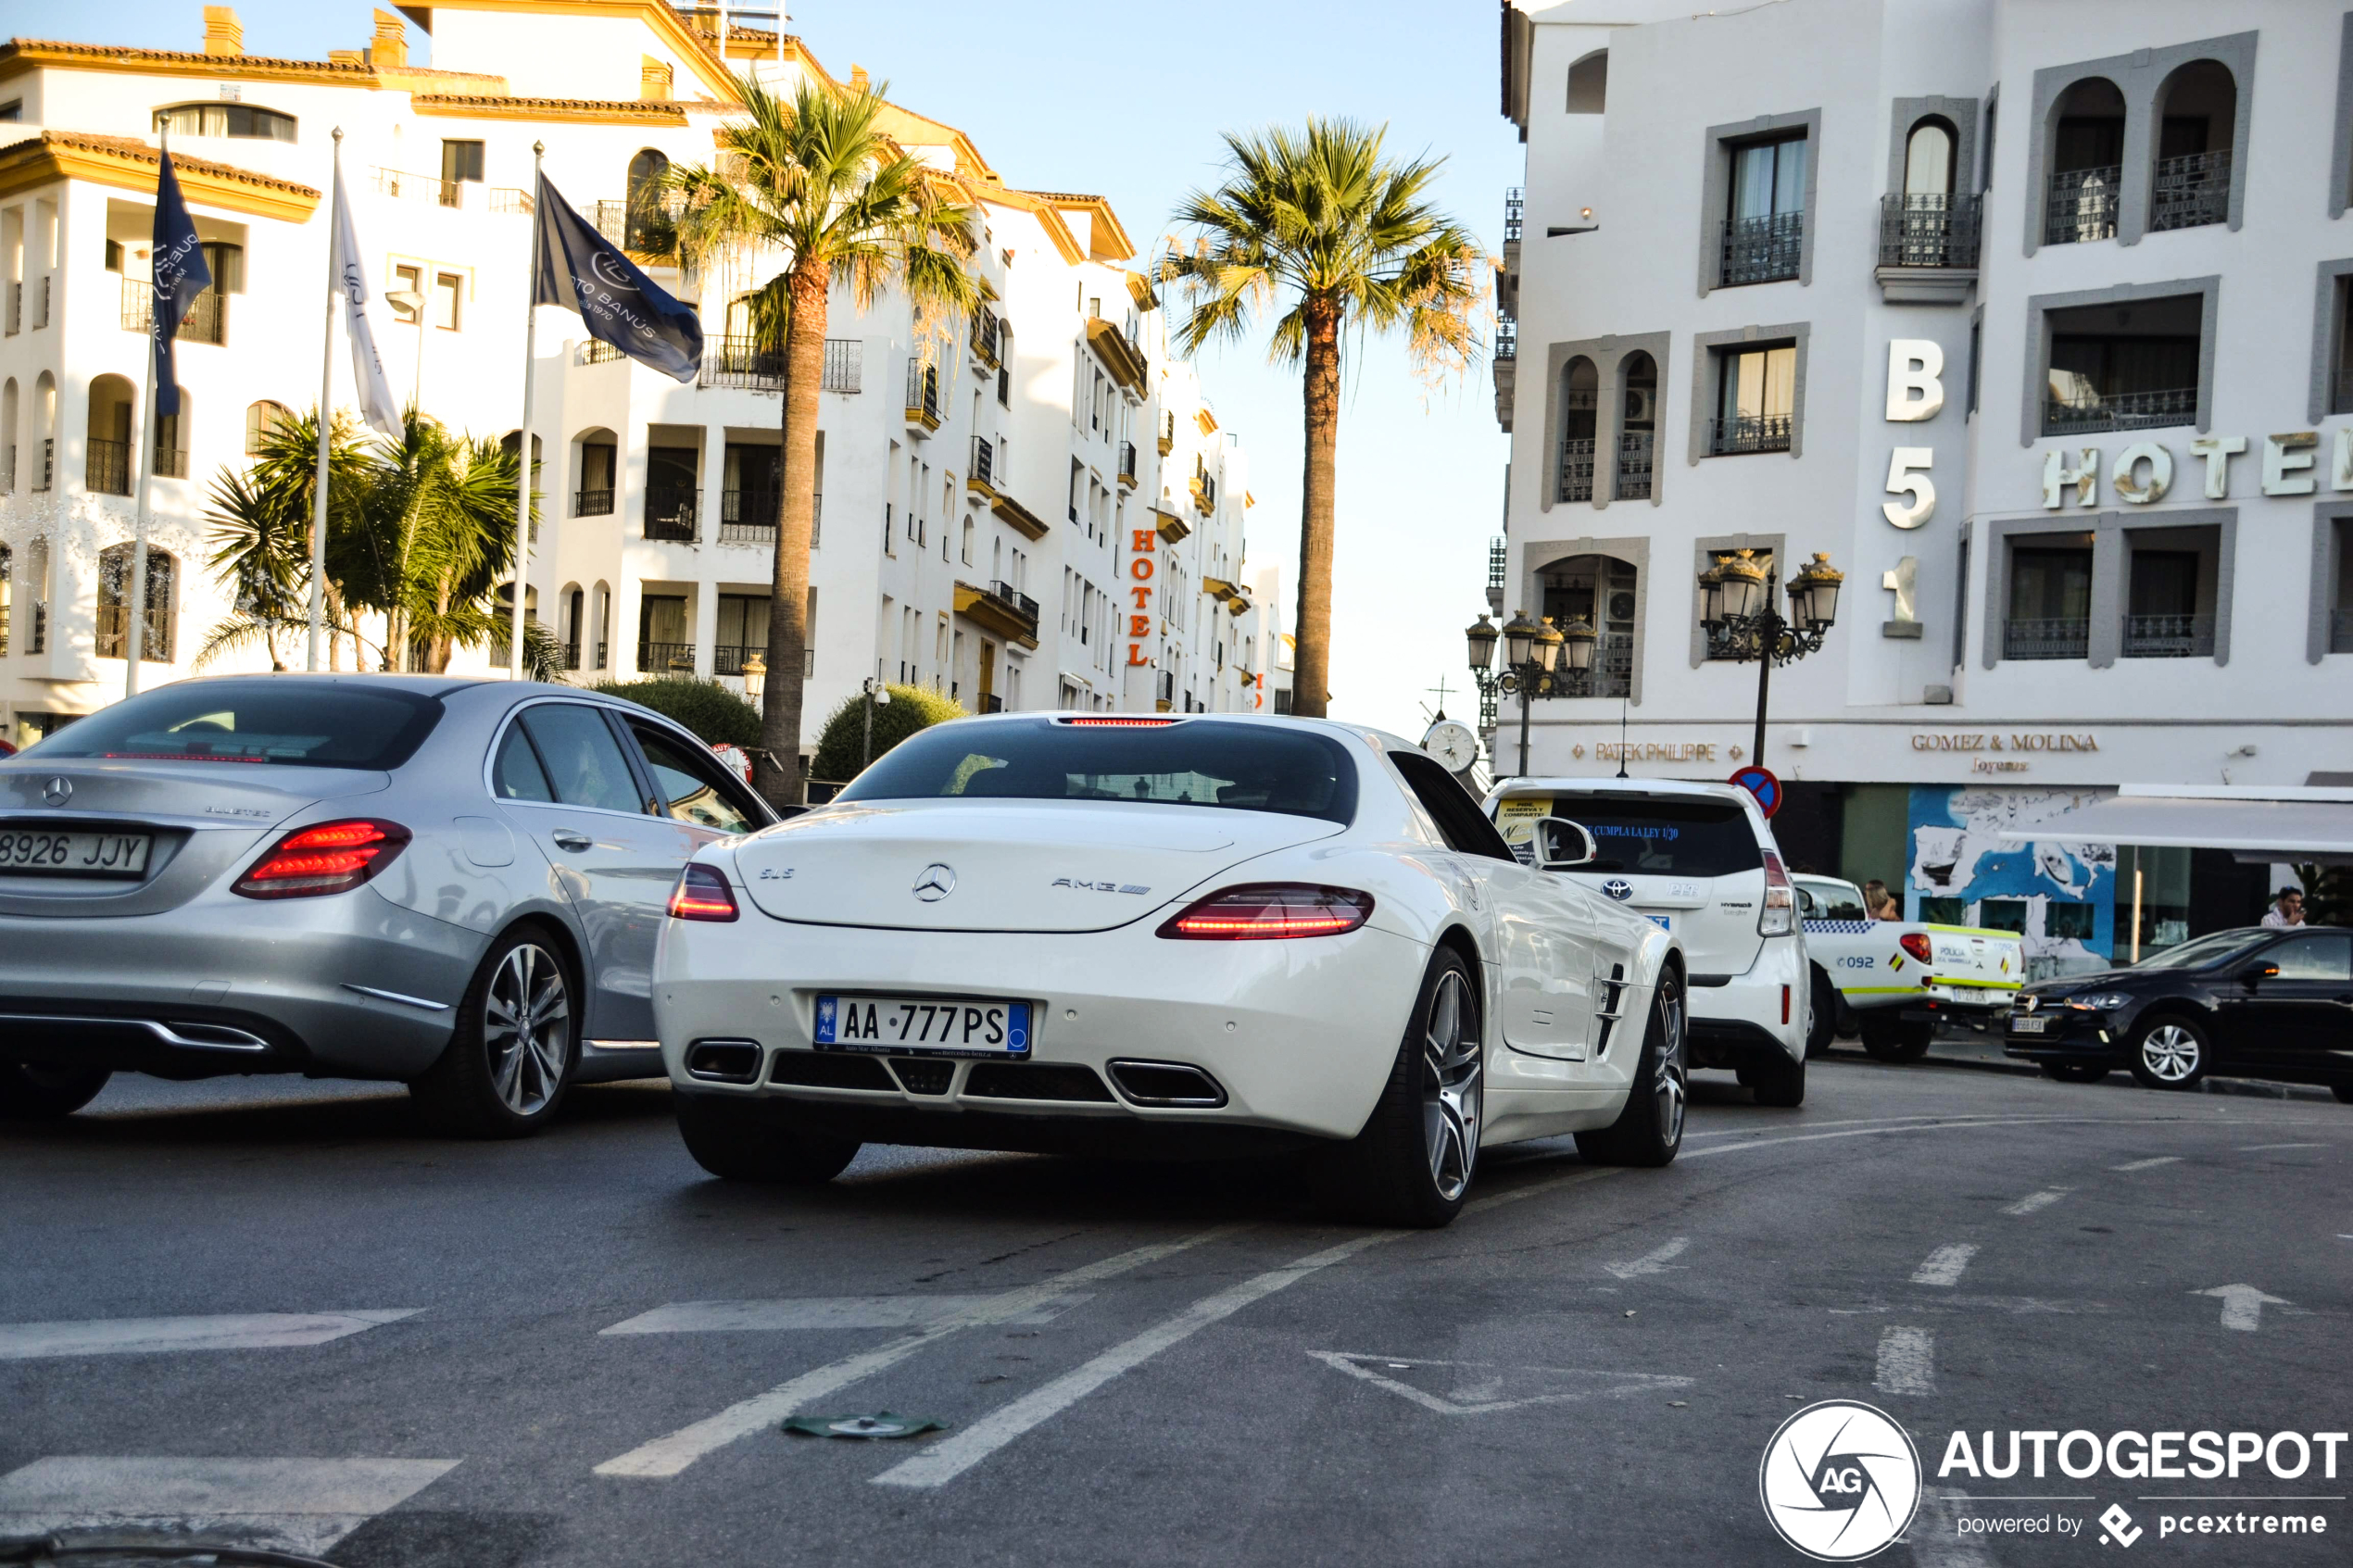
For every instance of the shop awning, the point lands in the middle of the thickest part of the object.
(2259, 824)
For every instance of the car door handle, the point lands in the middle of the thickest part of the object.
(576, 842)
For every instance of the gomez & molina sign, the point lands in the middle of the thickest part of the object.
(2013, 740)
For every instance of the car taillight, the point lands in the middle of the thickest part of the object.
(1123, 722)
(702, 894)
(330, 857)
(1263, 910)
(1916, 944)
(1778, 918)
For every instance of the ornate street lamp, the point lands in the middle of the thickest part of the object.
(1482, 635)
(1532, 652)
(755, 678)
(1741, 622)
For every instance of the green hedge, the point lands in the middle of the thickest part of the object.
(841, 744)
(709, 709)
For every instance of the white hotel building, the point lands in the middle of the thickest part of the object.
(2033, 315)
(1032, 509)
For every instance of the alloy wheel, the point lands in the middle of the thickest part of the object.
(1451, 1087)
(1669, 1087)
(527, 1028)
(2170, 1052)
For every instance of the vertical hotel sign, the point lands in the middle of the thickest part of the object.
(1143, 559)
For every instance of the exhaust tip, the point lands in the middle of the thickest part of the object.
(1166, 1084)
(724, 1061)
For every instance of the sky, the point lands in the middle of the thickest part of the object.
(1128, 102)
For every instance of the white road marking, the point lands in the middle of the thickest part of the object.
(2259, 1148)
(2035, 1200)
(247, 1331)
(298, 1505)
(1906, 1362)
(2242, 1305)
(2148, 1164)
(668, 1456)
(1479, 1394)
(944, 1461)
(826, 1311)
(1943, 1266)
(1651, 1263)
(1935, 1537)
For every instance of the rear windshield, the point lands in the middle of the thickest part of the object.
(293, 723)
(1194, 763)
(1654, 837)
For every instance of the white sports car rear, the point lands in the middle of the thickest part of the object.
(1179, 936)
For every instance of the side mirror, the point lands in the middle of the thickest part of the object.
(1806, 906)
(2261, 972)
(1562, 845)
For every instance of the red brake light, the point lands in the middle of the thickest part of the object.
(1120, 723)
(702, 894)
(1257, 912)
(1916, 944)
(330, 858)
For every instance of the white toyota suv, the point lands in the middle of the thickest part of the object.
(1700, 861)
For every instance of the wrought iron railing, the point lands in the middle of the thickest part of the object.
(1004, 386)
(984, 337)
(2168, 636)
(646, 222)
(1635, 459)
(662, 658)
(107, 469)
(749, 517)
(1749, 432)
(1576, 469)
(845, 364)
(207, 320)
(2080, 205)
(1128, 462)
(1506, 338)
(2048, 637)
(2191, 191)
(572, 655)
(923, 393)
(1021, 603)
(669, 512)
(1761, 250)
(170, 463)
(114, 633)
(2119, 410)
(740, 361)
(592, 503)
(1515, 207)
(1928, 229)
(595, 351)
(727, 658)
(983, 462)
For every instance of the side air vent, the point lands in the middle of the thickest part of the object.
(1005, 1080)
(724, 1061)
(1166, 1082)
(1612, 1008)
(923, 1075)
(824, 1069)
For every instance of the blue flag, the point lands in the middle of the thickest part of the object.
(180, 275)
(582, 271)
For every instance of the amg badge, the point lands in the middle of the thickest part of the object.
(1083, 885)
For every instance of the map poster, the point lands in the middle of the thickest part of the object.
(2058, 895)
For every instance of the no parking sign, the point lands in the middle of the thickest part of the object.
(1761, 783)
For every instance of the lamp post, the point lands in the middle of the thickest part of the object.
(755, 678)
(1538, 657)
(1737, 613)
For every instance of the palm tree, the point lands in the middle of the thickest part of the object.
(815, 179)
(1322, 225)
(260, 537)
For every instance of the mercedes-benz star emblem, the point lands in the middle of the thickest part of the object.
(1618, 887)
(57, 792)
(935, 883)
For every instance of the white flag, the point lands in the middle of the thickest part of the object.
(376, 404)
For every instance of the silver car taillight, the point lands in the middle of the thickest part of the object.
(1779, 916)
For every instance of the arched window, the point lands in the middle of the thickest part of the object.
(650, 230)
(1580, 394)
(44, 456)
(1928, 159)
(1604, 592)
(572, 603)
(2197, 119)
(244, 122)
(36, 595)
(599, 461)
(1638, 427)
(264, 421)
(601, 623)
(114, 619)
(2087, 163)
(106, 467)
(1589, 83)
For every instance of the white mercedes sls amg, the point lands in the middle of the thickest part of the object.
(1183, 936)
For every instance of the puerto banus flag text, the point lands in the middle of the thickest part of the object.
(582, 271)
(376, 404)
(181, 274)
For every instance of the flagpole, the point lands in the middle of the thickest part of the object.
(136, 596)
(326, 391)
(523, 438)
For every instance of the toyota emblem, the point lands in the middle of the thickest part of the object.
(935, 883)
(1618, 887)
(58, 791)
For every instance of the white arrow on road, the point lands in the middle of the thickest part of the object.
(1651, 1263)
(2242, 1305)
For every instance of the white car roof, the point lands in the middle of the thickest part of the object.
(1686, 787)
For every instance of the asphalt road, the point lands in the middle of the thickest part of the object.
(405, 1353)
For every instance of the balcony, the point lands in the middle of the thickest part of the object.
(2092, 411)
(1576, 469)
(1020, 517)
(1928, 244)
(106, 469)
(2067, 637)
(1204, 484)
(2191, 191)
(1115, 345)
(665, 659)
(1172, 527)
(592, 503)
(433, 189)
(669, 512)
(114, 633)
(748, 517)
(980, 466)
(1635, 459)
(572, 656)
(1748, 432)
(1004, 386)
(997, 607)
(922, 397)
(983, 337)
(595, 351)
(207, 320)
(1760, 250)
(1168, 432)
(2080, 205)
(2168, 636)
(1127, 465)
(644, 224)
(171, 464)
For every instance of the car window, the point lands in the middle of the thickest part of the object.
(583, 760)
(1655, 836)
(2314, 957)
(2219, 947)
(1832, 900)
(289, 721)
(517, 775)
(1465, 828)
(693, 786)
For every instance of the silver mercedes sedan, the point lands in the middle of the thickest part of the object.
(452, 883)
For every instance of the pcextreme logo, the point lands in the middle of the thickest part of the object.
(1839, 1480)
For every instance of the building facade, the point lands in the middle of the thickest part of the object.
(1031, 509)
(2033, 315)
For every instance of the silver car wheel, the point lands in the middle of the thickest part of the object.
(1451, 1087)
(526, 1028)
(1669, 1089)
(2171, 1053)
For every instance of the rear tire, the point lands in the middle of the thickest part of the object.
(737, 1147)
(1777, 1082)
(2074, 1072)
(33, 1093)
(1892, 1039)
(2170, 1052)
(1823, 1027)
(516, 1046)
(1413, 1164)
(1649, 1131)
(2344, 1093)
